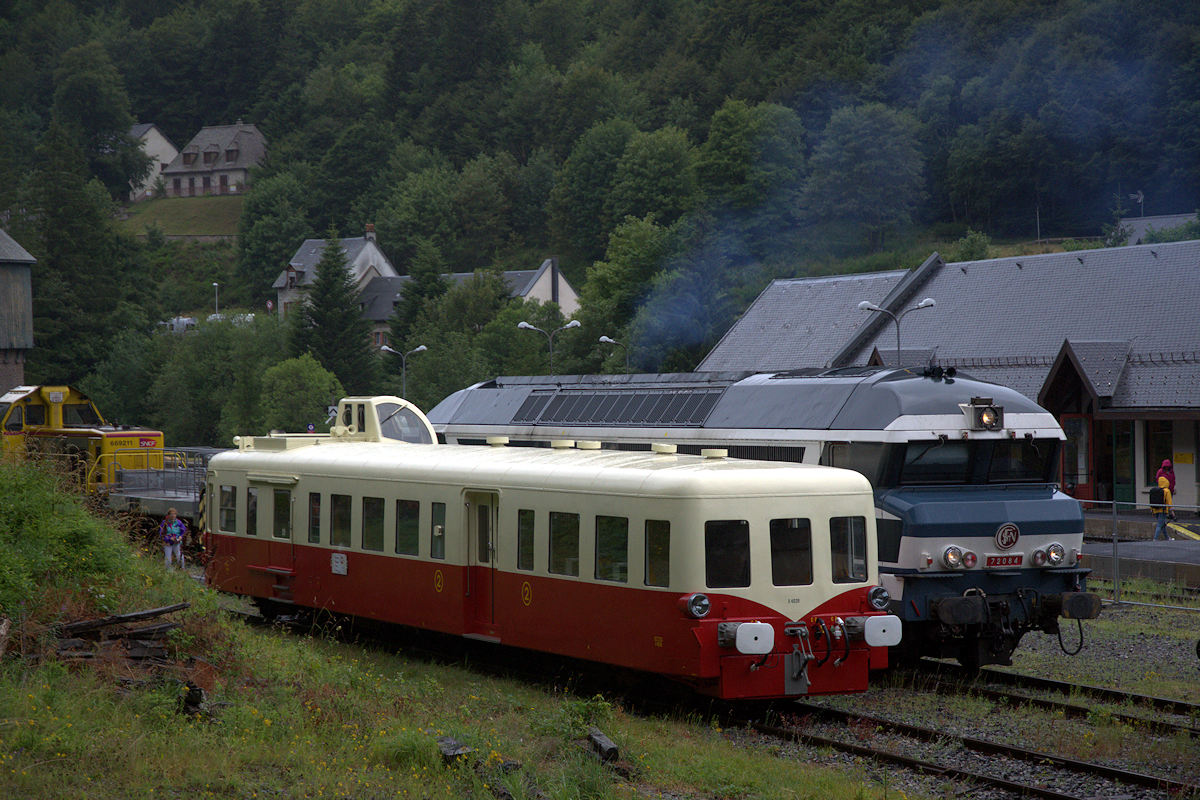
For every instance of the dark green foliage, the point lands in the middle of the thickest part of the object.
(330, 325)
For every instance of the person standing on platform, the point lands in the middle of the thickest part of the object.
(1162, 506)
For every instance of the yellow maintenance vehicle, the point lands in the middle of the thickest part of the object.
(60, 422)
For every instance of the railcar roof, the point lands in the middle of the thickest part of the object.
(557, 469)
(857, 398)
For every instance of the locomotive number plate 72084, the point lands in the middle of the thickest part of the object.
(1004, 561)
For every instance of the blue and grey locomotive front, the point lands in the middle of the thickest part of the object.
(977, 544)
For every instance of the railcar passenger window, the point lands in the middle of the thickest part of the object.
(848, 548)
(282, 529)
(339, 520)
(408, 532)
(726, 553)
(372, 524)
(314, 517)
(564, 543)
(612, 548)
(525, 538)
(658, 552)
(437, 546)
(228, 513)
(251, 511)
(791, 552)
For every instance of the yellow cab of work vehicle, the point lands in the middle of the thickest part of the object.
(62, 422)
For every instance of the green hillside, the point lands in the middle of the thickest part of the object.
(186, 216)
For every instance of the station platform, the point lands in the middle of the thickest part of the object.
(1176, 561)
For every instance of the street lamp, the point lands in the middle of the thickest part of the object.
(216, 298)
(525, 326)
(404, 365)
(928, 302)
(608, 340)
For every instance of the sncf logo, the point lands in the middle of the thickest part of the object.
(147, 443)
(1007, 535)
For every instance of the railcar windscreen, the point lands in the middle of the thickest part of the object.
(402, 424)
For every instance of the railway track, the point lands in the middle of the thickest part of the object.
(944, 754)
(1186, 714)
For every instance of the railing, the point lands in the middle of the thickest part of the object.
(182, 472)
(1140, 515)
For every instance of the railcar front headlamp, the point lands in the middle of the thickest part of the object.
(878, 597)
(952, 558)
(696, 605)
(1055, 554)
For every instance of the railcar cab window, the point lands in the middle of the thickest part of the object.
(726, 553)
(402, 424)
(282, 527)
(227, 517)
(612, 548)
(791, 552)
(339, 520)
(251, 511)
(658, 552)
(564, 543)
(848, 549)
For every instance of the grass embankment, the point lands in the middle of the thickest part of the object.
(296, 716)
(211, 215)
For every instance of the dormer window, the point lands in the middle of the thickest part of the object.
(231, 156)
(189, 159)
(210, 157)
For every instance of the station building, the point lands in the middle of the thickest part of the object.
(1107, 340)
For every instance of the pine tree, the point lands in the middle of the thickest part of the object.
(426, 284)
(331, 326)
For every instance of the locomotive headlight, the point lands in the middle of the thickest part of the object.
(878, 597)
(1039, 558)
(696, 605)
(969, 559)
(1055, 554)
(952, 558)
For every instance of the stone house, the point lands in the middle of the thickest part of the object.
(217, 160)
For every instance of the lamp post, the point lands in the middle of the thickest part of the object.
(216, 298)
(928, 302)
(609, 340)
(404, 365)
(525, 326)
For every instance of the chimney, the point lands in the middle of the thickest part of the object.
(370, 232)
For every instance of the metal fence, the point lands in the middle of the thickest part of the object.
(1134, 522)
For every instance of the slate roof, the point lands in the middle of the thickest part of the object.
(12, 252)
(798, 322)
(379, 296)
(1139, 226)
(1004, 320)
(247, 140)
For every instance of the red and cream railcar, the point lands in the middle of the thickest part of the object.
(744, 579)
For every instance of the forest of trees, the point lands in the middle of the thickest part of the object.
(674, 154)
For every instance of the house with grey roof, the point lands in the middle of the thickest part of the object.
(1138, 227)
(364, 259)
(16, 311)
(161, 151)
(547, 284)
(217, 160)
(1107, 340)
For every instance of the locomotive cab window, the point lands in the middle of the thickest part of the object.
(339, 520)
(525, 538)
(16, 419)
(727, 553)
(791, 552)
(564, 543)
(612, 548)
(227, 518)
(848, 549)
(658, 552)
(251, 511)
(80, 415)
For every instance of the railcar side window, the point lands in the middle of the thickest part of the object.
(282, 527)
(848, 548)
(791, 552)
(372, 524)
(658, 552)
(437, 531)
(726, 553)
(525, 538)
(228, 511)
(251, 511)
(314, 517)
(612, 548)
(483, 532)
(408, 532)
(564, 543)
(339, 520)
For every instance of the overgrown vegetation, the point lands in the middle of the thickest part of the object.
(298, 716)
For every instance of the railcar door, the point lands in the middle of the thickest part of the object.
(481, 512)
